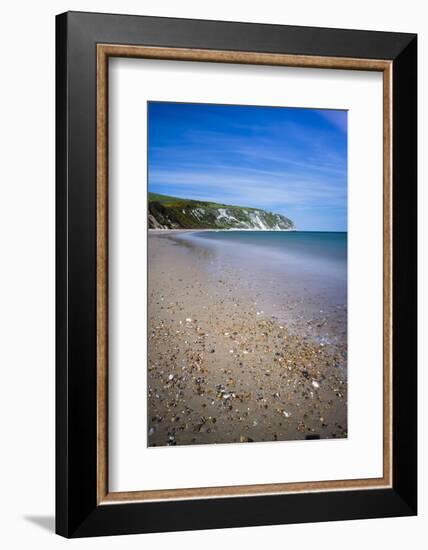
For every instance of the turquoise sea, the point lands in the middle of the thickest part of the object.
(309, 245)
(297, 276)
(300, 254)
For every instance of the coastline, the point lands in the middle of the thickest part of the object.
(231, 229)
(222, 369)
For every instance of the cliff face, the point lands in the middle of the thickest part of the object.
(174, 213)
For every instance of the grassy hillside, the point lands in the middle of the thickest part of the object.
(166, 212)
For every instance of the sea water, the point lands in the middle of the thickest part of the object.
(311, 246)
(297, 276)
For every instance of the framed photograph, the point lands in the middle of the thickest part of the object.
(236, 274)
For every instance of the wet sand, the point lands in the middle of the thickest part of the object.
(224, 367)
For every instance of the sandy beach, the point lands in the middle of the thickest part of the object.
(238, 358)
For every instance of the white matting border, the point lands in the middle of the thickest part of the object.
(132, 465)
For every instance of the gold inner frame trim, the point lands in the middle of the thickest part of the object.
(104, 51)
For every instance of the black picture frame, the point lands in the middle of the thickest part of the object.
(77, 511)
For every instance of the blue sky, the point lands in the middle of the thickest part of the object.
(288, 161)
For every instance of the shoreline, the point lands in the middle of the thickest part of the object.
(160, 231)
(221, 369)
